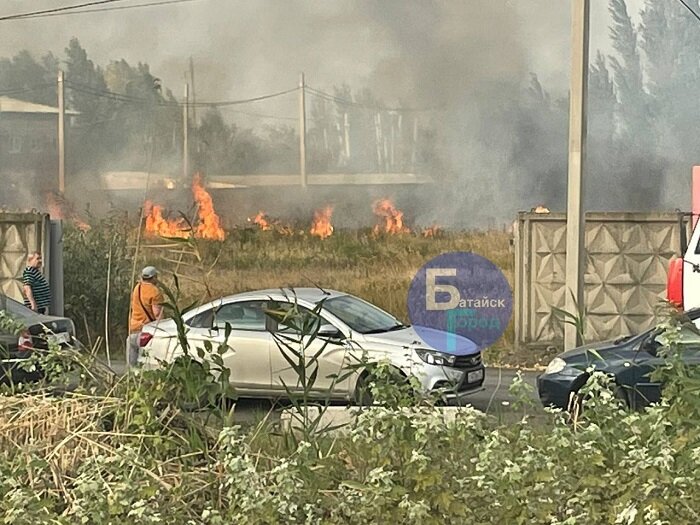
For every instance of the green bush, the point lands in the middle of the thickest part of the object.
(154, 463)
(93, 258)
(394, 466)
(134, 452)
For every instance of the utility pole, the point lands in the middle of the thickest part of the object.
(61, 134)
(194, 100)
(346, 134)
(194, 108)
(575, 217)
(185, 135)
(302, 130)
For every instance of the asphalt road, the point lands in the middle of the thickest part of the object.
(494, 398)
(496, 384)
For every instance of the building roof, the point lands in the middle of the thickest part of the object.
(12, 105)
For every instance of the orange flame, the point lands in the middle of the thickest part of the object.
(391, 219)
(265, 223)
(208, 226)
(59, 208)
(322, 226)
(261, 220)
(157, 225)
(209, 222)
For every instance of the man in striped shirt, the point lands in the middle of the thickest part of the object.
(37, 294)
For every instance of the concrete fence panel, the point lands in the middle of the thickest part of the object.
(627, 257)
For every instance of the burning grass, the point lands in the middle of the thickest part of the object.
(207, 225)
(390, 219)
(268, 253)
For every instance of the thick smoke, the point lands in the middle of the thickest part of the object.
(471, 59)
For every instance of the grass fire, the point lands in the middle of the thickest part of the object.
(389, 218)
(208, 225)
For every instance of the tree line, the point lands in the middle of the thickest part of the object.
(642, 140)
(129, 121)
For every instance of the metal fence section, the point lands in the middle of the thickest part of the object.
(627, 258)
(20, 235)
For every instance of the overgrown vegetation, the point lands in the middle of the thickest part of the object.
(97, 278)
(376, 268)
(120, 451)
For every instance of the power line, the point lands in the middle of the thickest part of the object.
(692, 11)
(30, 89)
(247, 100)
(32, 14)
(339, 100)
(376, 107)
(128, 98)
(119, 97)
(118, 8)
(260, 115)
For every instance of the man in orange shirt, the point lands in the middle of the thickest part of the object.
(146, 307)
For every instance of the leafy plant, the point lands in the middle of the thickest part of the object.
(295, 331)
(577, 318)
(200, 376)
(98, 259)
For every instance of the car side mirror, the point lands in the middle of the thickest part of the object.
(651, 345)
(328, 331)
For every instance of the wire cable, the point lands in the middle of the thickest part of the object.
(259, 115)
(19, 91)
(101, 10)
(375, 107)
(88, 90)
(128, 98)
(33, 14)
(692, 11)
(245, 101)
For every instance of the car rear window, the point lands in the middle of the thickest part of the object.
(14, 308)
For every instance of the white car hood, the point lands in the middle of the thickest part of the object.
(410, 337)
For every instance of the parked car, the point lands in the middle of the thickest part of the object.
(629, 360)
(38, 331)
(348, 326)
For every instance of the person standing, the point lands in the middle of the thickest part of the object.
(37, 293)
(146, 307)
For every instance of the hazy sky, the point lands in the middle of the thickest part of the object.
(246, 47)
(470, 58)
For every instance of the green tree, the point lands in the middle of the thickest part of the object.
(87, 82)
(24, 78)
(215, 144)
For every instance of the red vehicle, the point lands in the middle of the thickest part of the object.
(683, 285)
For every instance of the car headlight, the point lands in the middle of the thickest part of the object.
(561, 367)
(436, 358)
(555, 366)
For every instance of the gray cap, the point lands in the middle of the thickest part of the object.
(149, 272)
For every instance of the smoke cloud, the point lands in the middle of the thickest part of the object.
(472, 59)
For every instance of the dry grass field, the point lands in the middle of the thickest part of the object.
(376, 267)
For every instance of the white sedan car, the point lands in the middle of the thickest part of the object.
(349, 330)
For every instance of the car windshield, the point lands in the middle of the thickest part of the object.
(360, 315)
(14, 308)
(688, 335)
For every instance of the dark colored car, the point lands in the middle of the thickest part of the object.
(630, 360)
(39, 331)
